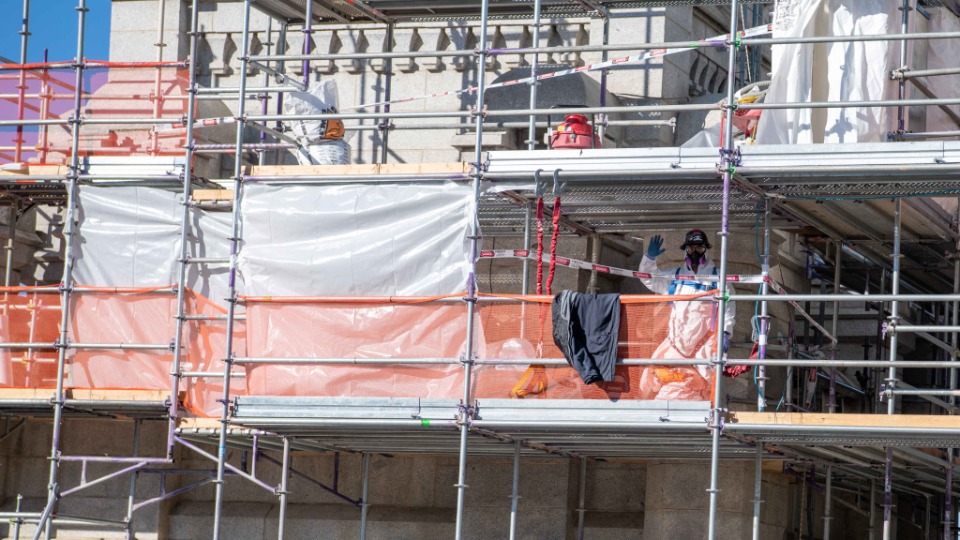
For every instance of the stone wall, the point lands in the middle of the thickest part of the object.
(410, 497)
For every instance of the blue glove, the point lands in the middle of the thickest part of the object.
(655, 249)
(726, 341)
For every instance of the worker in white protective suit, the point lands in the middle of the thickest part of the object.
(692, 325)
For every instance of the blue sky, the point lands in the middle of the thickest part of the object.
(53, 25)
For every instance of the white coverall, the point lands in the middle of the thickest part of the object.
(689, 332)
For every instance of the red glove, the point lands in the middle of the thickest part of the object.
(733, 371)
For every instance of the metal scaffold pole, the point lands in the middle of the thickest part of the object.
(466, 409)
(728, 165)
(832, 396)
(892, 372)
(828, 503)
(764, 310)
(232, 280)
(757, 485)
(45, 524)
(175, 375)
(364, 501)
(384, 126)
(284, 493)
(22, 82)
(132, 496)
(515, 491)
(532, 128)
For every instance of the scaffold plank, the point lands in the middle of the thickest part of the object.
(845, 420)
(373, 169)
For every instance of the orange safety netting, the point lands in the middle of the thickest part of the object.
(29, 317)
(342, 328)
(115, 90)
(111, 317)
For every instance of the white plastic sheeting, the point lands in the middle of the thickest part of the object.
(832, 72)
(942, 53)
(355, 240)
(130, 237)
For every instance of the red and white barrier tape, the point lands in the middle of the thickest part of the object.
(612, 270)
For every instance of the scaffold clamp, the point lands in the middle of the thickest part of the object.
(734, 157)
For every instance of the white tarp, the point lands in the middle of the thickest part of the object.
(130, 237)
(942, 53)
(832, 72)
(355, 240)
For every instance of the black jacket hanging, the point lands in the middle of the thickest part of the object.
(586, 327)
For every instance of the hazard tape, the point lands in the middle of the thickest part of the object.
(612, 270)
(607, 64)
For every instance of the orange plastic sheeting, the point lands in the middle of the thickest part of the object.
(206, 347)
(132, 317)
(116, 319)
(643, 334)
(423, 330)
(393, 329)
(150, 319)
(29, 318)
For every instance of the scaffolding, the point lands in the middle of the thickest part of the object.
(606, 192)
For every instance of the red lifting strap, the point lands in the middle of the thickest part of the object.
(553, 243)
(539, 245)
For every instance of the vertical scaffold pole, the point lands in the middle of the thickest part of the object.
(892, 372)
(189, 145)
(582, 498)
(757, 490)
(902, 86)
(828, 504)
(265, 97)
(387, 96)
(281, 67)
(525, 285)
(832, 398)
(471, 298)
(132, 496)
(955, 337)
(158, 77)
(515, 492)
(364, 504)
(948, 500)
(728, 165)
(307, 40)
(11, 244)
(764, 310)
(284, 480)
(534, 83)
(69, 231)
(954, 343)
(605, 40)
(22, 83)
(873, 511)
(232, 279)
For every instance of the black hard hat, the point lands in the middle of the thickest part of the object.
(696, 236)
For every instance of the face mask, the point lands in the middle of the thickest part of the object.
(696, 255)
